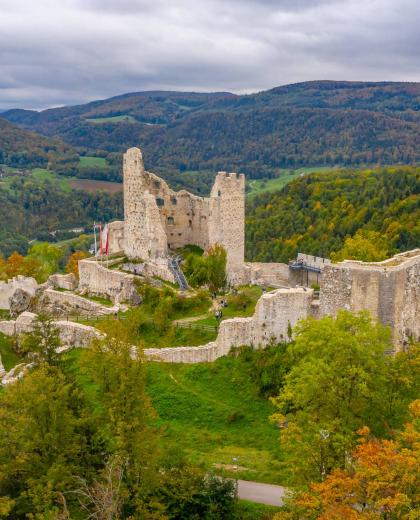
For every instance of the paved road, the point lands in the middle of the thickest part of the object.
(261, 493)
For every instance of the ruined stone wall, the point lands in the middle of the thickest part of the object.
(270, 274)
(7, 289)
(144, 235)
(227, 218)
(158, 219)
(116, 237)
(64, 281)
(275, 313)
(389, 290)
(183, 216)
(97, 279)
(71, 334)
(62, 303)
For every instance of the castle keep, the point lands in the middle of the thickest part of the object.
(158, 220)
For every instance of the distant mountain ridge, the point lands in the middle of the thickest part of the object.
(303, 124)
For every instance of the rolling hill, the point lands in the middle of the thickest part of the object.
(306, 124)
(21, 148)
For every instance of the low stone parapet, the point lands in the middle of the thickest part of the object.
(60, 303)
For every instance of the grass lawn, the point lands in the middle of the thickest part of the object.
(113, 119)
(86, 160)
(258, 186)
(8, 356)
(213, 413)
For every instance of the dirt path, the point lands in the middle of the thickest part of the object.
(268, 494)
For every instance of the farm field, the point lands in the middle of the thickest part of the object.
(113, 119)
(258, 186)
(93, 186)
(87, 160)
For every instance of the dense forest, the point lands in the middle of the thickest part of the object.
(31, 209)
(23, 149)
(315, 213)
(306, 124)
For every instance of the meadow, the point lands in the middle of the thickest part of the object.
(258, 186)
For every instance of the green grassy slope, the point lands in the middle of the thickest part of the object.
(210, 413)
(214, 414)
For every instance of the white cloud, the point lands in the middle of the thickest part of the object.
(78, 50)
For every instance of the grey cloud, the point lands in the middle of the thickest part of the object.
(73, 51)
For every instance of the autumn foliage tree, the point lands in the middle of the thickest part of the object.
(73, 263)
(381, 481)
(340, 380)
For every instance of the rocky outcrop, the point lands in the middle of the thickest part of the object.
(20, 301)
(7, 289)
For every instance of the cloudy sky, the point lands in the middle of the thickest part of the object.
(55, 52)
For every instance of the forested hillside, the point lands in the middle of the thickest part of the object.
(315, 213)
(306, 124)
(31, 209)
(22, 149)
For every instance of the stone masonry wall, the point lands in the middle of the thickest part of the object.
(97, 279)
(389, 290)
(71, 334)
(158, 219)
(227, 218)
(60, 303)
(271, 274)
(64, 281)
(144, 235)
(274, 314)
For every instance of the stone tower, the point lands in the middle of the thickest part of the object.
(227, 218)
(144, 236)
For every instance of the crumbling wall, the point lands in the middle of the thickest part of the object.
(71, 334)
(158, 219)
(227, 218)
(275, 315)
(97, 279)
(116, 237)
(8, 288)
(64, 281)
(389, 290)
(144, 235)
(270, 274)
(61, 303)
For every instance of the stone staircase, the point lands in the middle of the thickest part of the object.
(174, 262)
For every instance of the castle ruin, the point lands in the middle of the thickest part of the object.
(158, 220)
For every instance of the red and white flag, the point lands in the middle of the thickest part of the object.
(104, 240)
